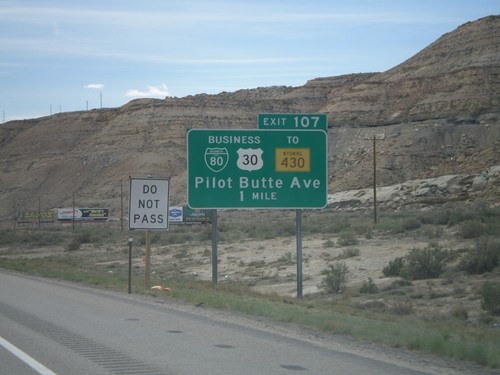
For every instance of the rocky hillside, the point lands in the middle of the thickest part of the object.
(434, 114)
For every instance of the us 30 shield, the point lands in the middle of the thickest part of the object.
(250, 159)
(216, 158)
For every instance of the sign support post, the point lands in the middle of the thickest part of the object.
(130, 265)
(214, 247)
(147, 261)
(295, 121)
(298, 234)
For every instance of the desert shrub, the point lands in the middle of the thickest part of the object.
(257, 263)
(490, 297)
(347, 239)
(394, 267)
(73, 245)
(437, 217)
(86, 236)
(398, 284)
(373, 305)
(441, 217)
(328, 243)
(427, 217)
(426, 263)
(348, 253)
(472, 229)
(155, 237)
(362, 229)
(31, 238)
(402, 308)
(182, 253)
(420, 263)
(7, 237)
(457, 216)
(78, 239)
(336, 276)
(286, 259)
(459, 312)
(336, 226)
(482, 258)
(368, 287)
(205, 234)
(411, 224)
(430, 232)
(449, 276)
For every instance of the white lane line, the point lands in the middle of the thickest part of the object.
(33, 363)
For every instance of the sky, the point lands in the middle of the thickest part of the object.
(61, 56)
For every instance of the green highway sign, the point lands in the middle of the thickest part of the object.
(296, 121)
(257, 168)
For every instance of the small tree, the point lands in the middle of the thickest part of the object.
(336, 276)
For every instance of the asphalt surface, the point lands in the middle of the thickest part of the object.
(72, 329)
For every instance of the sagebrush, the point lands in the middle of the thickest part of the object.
(335, 277)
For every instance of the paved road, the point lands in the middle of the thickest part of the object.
(71, 329)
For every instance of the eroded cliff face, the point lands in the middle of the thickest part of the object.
(436, 113)
(456, 78)
(433, 113)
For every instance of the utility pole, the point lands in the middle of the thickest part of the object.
(374, 140)
(375, 220)
(121, 205)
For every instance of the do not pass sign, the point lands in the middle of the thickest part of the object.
(148, 203)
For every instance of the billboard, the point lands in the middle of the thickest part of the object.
(35, 216)
(194, 215)
(82, 214)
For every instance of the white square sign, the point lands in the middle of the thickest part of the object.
(148, 203)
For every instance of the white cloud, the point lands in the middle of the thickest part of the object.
(153, 91)
(97, 86)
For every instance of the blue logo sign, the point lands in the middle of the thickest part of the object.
(175, 212)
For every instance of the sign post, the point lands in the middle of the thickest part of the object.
(214, 247)
(250, 169)
(129, 265)
(295, 121)
(148, 210)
